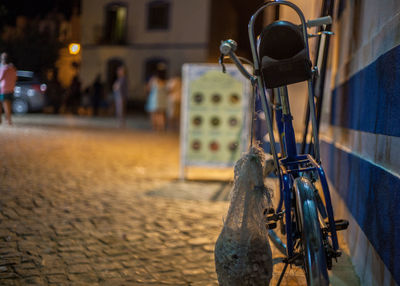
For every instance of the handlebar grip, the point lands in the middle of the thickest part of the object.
(319, 21)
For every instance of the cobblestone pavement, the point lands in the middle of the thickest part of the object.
(83, 204)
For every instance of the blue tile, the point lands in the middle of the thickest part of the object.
(372, 195)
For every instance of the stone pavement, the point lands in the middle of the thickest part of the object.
(82, 203)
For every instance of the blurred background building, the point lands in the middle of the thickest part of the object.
(140, 34)
(37, 36)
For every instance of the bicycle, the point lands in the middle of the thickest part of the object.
(307, 221)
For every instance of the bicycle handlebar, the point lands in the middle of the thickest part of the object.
(228, 48)
(319, 21)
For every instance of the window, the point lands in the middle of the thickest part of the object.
(158, 15)
(116, 20)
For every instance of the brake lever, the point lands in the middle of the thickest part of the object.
(226, 48)
(221, 62)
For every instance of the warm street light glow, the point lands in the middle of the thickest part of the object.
(74, 48)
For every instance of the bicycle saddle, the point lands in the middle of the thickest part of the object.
(284, 58)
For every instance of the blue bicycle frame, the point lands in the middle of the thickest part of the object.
(291, 165)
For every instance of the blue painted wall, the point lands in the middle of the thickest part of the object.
(361, 135)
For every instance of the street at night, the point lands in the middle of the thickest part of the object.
(199, 142)
(77, 207)
(83, 203)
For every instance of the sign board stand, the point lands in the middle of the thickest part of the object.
(214, 116)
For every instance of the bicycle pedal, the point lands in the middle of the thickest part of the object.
(272, 216)
(269, 211)
(340, 224)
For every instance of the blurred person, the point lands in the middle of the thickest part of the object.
(85, 106)
(157, 99)
(174, 86)
(73, 95)
(8, 78)
(97, 94)
(54, 91)
(120, 89)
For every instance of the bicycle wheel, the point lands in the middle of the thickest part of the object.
(311, 238)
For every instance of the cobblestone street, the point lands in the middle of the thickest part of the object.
(85, 204)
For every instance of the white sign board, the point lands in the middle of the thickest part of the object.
(214, 121)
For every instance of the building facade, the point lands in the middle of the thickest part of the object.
(139, 34)
(361, 135)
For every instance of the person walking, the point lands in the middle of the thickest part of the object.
(120, 89)
(8, 78)
(73, 95)
(97, 94)
(157, 100)
(54, 91)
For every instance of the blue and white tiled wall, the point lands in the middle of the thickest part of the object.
(360, 145)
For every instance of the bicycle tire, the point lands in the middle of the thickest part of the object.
(313, 251)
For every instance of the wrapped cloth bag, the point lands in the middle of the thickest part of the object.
(242, 251)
